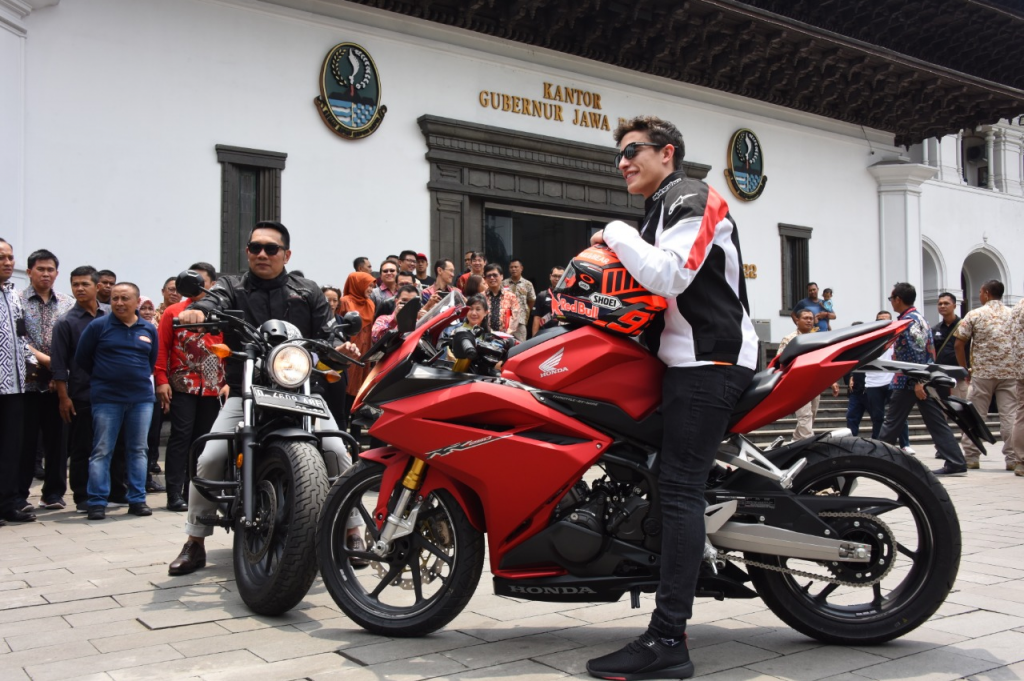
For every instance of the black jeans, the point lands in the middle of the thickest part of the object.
(12, 412)
(191, 416)
(79, 451)
(697, 403)
(153, 438)
(896, 412)
(42, 417)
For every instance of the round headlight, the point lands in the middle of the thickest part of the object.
(290, 365)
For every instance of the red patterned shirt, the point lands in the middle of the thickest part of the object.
(184, 360)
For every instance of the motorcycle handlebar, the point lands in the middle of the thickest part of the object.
(464, 344)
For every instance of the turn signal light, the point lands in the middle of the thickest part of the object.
(239, 462)
(332, 376)
(220, 350)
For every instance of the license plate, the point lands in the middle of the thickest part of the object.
(307, 405)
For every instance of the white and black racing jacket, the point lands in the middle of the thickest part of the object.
(688, 250)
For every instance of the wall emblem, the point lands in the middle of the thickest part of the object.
(349, 100)
(746, 166)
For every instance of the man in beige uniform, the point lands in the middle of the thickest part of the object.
(1017, 342)
(993, 373)
(806, 322)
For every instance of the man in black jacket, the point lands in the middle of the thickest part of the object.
(263, 293)
(688, 251)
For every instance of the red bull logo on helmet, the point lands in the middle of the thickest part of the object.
(578, 306)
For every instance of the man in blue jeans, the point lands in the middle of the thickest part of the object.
(118, 351)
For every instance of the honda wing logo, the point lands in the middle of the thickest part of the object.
(550, 366)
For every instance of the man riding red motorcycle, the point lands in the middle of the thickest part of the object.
(845, 539)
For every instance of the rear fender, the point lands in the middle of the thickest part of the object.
(396, 462)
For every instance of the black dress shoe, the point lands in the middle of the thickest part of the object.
(354, 542)
(191, 558)
(39, 473)
(648, 657)
(177, 504)
(139, 509)
(97, 513)
(154, 486)
(155, 468)
(19, 516)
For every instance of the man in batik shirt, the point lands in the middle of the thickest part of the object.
(914, 345)
(523, 290)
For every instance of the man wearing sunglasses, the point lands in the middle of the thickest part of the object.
(687, 250)
(267, 291)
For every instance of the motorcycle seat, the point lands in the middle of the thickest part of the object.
(809, 342)
(761, 385)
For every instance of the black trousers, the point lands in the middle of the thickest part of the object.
(697, 403)
(153, 438)
(12, 412)
(191, 416)
(42, 418)
(896, 412)
(79, 451)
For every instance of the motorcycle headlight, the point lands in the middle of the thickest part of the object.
(290, 365)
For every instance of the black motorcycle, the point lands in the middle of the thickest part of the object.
(278, 474)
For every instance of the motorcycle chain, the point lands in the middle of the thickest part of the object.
(822, 578)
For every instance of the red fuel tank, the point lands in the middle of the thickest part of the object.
(590, 363)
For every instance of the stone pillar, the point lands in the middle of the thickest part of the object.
(1006, 162)
(960, 157)
(899, 223)
(948, 159)
(13, 35)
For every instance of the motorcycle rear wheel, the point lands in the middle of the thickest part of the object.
(426, 579)
(927, 550)
(275, 563)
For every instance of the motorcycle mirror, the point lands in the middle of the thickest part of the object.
(189, 283)
(406, 318)
(351, 323)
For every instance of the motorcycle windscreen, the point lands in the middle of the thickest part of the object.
(966, 416)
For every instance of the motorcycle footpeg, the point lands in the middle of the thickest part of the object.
(213, 521)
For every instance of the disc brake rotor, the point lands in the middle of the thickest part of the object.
(430, 566)
(262, 530)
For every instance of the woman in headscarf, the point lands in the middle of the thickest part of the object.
(357, 297)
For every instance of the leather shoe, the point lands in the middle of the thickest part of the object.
(139, 509)
(354, 542)
(154, 486)
(19, 516)
(177, 504)
(97, 513)
(191, 558)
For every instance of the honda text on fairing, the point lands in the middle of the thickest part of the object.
(550, 448)
(279, 472)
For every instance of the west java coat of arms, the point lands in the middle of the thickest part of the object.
(746, 166)
(349, 100)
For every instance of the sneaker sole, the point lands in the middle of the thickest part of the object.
(679, 671)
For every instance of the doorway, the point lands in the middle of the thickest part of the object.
(979, 267)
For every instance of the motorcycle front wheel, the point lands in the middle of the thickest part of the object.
(275, 559)
(422, 583)
(909, 521)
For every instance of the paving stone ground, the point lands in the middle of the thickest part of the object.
(92, 600)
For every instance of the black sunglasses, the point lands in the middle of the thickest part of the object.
(257, 248)
(629, 151)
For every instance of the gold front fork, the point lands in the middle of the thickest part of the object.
(414, 478)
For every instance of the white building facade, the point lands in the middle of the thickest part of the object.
(122, 123)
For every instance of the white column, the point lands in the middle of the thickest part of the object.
(947, 159)
(960, 156)
(12, 124)
(899, 223)
(1006, 164)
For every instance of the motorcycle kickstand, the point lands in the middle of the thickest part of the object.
(634, 598)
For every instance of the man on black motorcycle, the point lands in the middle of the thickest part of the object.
(263, 293)
(687, 250)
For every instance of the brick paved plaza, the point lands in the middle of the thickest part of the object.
(92, 600)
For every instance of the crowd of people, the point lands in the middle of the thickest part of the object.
(88, 378)
(988, 340)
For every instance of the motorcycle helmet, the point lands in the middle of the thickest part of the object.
(596, 289)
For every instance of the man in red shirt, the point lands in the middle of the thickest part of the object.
(189, 382)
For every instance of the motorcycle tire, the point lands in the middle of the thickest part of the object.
(276, 564)
(443, 554)
(911, 590)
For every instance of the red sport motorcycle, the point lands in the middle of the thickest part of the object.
(550, 448)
